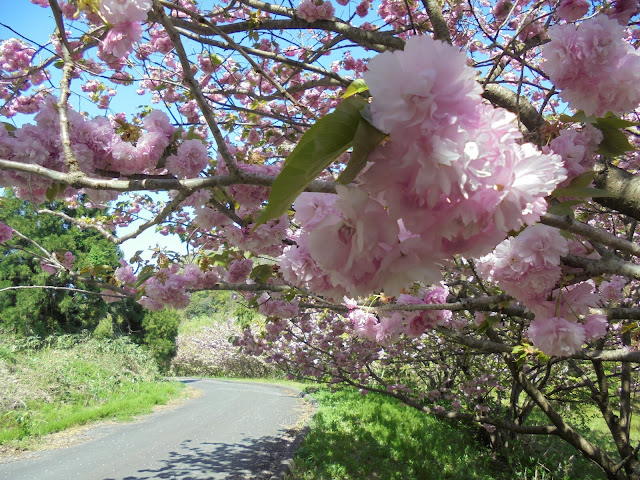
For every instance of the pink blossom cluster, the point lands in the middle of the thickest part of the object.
(397, 14)
(265, 239)
(312, 10)
(249, 195)
(577, 149)
(594, 67)
(170, 286)
(323, 347)
(96, 146)
(271, 305)
(462, 179)
(6, 232)
(15, 55)
(572, 10)
(528, 267)
(64, 260)
(563, 322)
(123, 11)
(190, 159)
(388, 327)
(124, 16)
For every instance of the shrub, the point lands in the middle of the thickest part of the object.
(161, 330)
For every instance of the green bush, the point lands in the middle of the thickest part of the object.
(104, 328)
(161, 330)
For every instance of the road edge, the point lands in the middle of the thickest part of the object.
(285, 467)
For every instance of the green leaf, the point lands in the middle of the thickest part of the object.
(261, 273)
(356, 86)
(614, 143)
(289, 295)
(579, 117)
(583, 180)
(612, 121)
(216, 59)
(564, 208)
(543, 358)
(489, 322)
(9, 127)
(145, 274)
(581, 192)
(325, 141)
(53, 191)
(367, 138)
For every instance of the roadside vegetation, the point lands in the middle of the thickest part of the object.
(58, 382)
(353, 437)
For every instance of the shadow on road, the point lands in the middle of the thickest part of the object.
(250, 458)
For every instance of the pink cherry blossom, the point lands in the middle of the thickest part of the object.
(158, 121)
(48, 268)
(124, 274)
(312, 10)
(67, 260)
(190, 159)
(556, 336)
(364, 324)
(6, 232)
(572, 10)
(595, 326)
(612, 290)
(577, 147)
(594, 67)
(239, 270)
(623, 10)
(122, 11)
(119, 40)
(362, 236)
(433, 94)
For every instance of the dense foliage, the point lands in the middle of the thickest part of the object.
(57, 382)
(73, 304)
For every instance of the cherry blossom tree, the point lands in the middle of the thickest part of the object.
(437, 200)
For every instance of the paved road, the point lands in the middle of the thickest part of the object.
(233, 431)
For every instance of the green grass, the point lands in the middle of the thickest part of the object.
(356, 437)
(40, 418)
(72, 381)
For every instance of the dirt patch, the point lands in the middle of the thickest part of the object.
(74, 435)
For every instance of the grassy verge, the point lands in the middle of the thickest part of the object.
(356, 437)
(63, 382)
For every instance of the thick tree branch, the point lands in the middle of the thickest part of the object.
(153, 183)
(439, 24)
(509, 100)
(612, 265)
(591, 233)
(623, 185)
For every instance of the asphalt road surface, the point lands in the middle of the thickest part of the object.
(232, 431)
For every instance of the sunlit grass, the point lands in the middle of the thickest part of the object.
(50, 389)
(356, 437)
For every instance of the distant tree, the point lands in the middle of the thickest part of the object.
(42, 311)
(161, 330)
